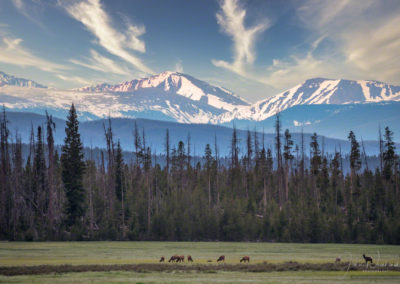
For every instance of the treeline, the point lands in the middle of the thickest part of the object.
(278, 194)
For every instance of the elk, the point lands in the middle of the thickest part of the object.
(189, 258)
(367, 258)
(174, 258)
(337, 259)
(221, 258)
(162, 259)
(181, 258)
(245, 258)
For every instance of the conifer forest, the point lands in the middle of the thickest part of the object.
(277, 194)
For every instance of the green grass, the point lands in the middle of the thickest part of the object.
(78, 253)
(218, 277)
(36, 253)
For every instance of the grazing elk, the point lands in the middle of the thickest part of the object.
(181, 258)
(221, 258)
(367, 258)
(162, 259)
(189, 258)
(245, 258)
(337, 260)
(174, 258)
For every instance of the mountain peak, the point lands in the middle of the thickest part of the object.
(318, 91)
(9, 80)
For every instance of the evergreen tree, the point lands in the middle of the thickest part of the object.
(119, 160)
(315, 166)
(389, 155)
(209, 160)
(73, 168)
(50, 127)
(355, 162)
(39, 189)
(288, 157)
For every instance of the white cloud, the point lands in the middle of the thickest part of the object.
(375, 51)
(74, 79)
(101, 63)
(363, 39)
(11, 52)
(92, 15)
(31, 9)
(365, 33)
(179, 66)
(231, 19)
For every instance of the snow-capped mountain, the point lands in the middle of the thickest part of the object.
(168, 96)
(177, 83)
(8, 80)
(172, 96)
(317, 91)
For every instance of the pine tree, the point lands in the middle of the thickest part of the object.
(40, 182)
(287, 155)
(5, 171)
(167, 150)
(278, 148)
(208, 166)
(389, 155)
(73, 168)
(119, 172)
(315, 166)
(355, 161)
(51, 169)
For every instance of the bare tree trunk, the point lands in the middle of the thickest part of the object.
(209, 190)
(123, 214)
(265, 196)
(286, 182)
(148, 203)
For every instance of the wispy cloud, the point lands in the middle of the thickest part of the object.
(363, 39)
(101, 63)
(122, 44)
(74, 79)
(231, 19)
(32, 10)
(12, 52)
(365, 33)
(179, 66)
(375, 51)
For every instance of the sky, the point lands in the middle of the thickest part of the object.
(256, 48)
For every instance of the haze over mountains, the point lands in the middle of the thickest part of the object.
(9, 80)
(329, 107)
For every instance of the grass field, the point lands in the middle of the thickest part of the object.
(220, 277)
(118, 253)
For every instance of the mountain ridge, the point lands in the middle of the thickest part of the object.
(174, 96)
(10, 80)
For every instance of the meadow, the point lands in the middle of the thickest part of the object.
(27, 254)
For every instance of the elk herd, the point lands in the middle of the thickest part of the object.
(181, 258)
(244, 259)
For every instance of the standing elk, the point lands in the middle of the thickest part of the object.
(245, 258)
(221, 258)
(367, 258)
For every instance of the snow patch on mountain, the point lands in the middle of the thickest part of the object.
(178, 97)
(317, 91)
(9, 80)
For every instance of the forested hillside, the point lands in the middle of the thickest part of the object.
(283, 193)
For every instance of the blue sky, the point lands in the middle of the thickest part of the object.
(255, 48)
